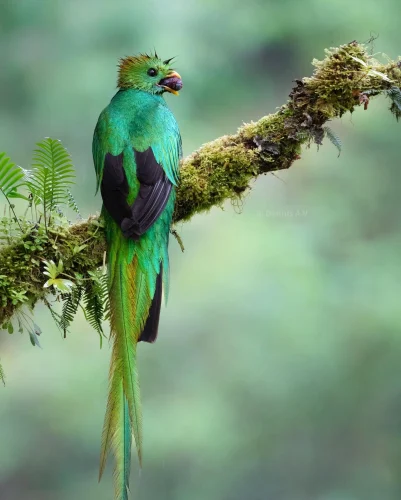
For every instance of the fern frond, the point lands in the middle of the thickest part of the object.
(334, 139)
(70, 307)
(73, 204)
(52, 174)
(395, 95)
(104, 284)
(11, 176)
(396, 111)
(95, 297)
(55, 315)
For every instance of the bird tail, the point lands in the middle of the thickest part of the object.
(129, 306)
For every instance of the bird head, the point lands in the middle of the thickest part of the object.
(148, 73)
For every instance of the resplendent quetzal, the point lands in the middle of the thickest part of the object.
(136, 151)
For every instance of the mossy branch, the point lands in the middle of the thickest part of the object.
(220, 170)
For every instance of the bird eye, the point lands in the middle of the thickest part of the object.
(152, 72)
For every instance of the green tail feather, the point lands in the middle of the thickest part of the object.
(123, 415)
(133, 270)
(122, 467)
(127, 444)
(129, 329)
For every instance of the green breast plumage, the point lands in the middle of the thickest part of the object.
(140, 120)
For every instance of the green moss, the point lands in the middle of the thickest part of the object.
(220, 170)
(21, 264)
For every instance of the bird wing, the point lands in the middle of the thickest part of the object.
(165, 142)
(152, 197)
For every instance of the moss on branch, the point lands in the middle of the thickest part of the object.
(218, 171)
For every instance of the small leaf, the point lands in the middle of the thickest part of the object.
(60, 284)
(10, 328)
(64, 285)
(20, 327)
(78, 249)
(20, 196)
(37, 329)
(34, 339)
(51, 269)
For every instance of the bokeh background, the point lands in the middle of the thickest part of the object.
(277, 373)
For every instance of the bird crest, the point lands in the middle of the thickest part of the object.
(142, 71)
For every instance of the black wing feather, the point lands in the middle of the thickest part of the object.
(154, 192)
(114, 188)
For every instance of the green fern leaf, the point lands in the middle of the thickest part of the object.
(396, 111)
(55, 315)
(73, 204)
(52, 174)
(11, 176)
(395, 95)
(95, 300)
(71, 303)
(104, 283)
(334, 139)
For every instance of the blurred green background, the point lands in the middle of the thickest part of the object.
(277, 373)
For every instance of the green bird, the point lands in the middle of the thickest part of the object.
(136, 152)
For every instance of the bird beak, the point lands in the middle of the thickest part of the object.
(171, 83)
